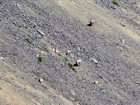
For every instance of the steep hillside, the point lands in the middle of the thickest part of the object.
(40, 41)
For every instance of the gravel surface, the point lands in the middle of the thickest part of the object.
(35, 36)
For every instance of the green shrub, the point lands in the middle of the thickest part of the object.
(29, 40)
(46, 49)
(40, 59)
(115, 2)
(66, 59)
(71, 66)
(59, 54)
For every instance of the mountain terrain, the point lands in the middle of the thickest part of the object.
(69, 52)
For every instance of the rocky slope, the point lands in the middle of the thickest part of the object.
(41, 39)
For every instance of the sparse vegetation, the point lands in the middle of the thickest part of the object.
(29, 40)
(66, 59)
(69, 52)
(36, 73)
(46, 49)
(40, 59)
(45, 78)
(115, 2)
(59, 54)
(71, 66)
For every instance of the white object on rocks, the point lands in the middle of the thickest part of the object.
(123, 41)
(93, 21)
(55, 50)
(68, 52)
(95, 60)
(73, 92)
(40, 32)
(78, 62)
(1, 58)
(96, 82)
(40, 80)
(37, 55)
(18, 5)
(41, 52)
